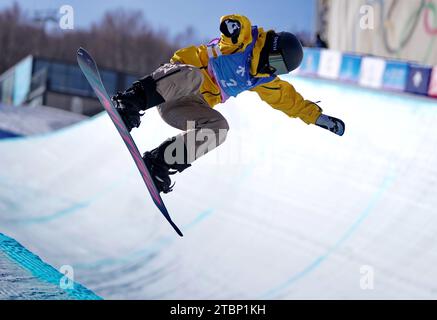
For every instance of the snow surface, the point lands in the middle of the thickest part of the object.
(30, 120)
(281, 210)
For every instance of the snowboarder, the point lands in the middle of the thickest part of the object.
(186, 89)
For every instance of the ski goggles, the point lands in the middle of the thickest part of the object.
(277, 63)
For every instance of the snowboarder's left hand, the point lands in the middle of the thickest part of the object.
(332, 124)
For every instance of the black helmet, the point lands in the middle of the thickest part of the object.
(285, 52)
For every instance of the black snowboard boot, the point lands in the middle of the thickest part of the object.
(132, 103)
(160, 169)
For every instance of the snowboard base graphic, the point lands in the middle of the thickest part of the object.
(91, 72)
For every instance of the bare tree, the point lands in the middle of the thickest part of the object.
(17, 36)
(122, 40)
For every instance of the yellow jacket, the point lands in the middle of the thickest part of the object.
(280, 94)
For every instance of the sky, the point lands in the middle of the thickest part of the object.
(204, 15)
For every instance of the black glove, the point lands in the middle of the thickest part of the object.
(332, 124)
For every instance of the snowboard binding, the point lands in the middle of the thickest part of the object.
(160, 170)
(132, 103)
(129, 107)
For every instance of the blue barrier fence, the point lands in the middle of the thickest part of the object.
(370, 71)
(7, 134)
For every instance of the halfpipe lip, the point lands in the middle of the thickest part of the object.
(42, 271)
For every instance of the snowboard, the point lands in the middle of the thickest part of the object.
(91, 72)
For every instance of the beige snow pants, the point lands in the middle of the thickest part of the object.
(185, 109)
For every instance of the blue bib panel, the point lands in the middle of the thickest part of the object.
(232, 72)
